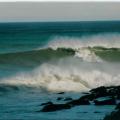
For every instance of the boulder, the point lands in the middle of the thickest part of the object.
(113, 116)
(79, 101)
(54, 107)
(99, 92)
(89, 97)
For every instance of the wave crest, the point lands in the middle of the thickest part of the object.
(67, 75)
(110, 40)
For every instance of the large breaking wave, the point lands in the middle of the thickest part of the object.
(68, 64)
(68, 74)
(35, 57)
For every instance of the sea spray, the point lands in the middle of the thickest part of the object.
(87, 55)
(107, 40)
(68, 74)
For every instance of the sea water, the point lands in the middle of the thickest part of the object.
(38, 60)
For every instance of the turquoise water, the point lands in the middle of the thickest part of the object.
(37, 60)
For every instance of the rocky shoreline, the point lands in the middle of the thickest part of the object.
(115, 115)
(99, 96)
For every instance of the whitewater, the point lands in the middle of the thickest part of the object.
(83, 70)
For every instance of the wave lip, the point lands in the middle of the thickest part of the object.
(110, 40)
(35, 57)
(94, 48)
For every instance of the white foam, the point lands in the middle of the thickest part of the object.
(68, 75)
(72, 74)
(110, 40)
(81, 44)
(87, 55)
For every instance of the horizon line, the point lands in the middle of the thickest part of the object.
(59, 21)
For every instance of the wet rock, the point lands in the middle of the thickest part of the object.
(111, 95)
(118, 96)
(118, 106)
(61, 93)
(99, 92)
(50, 107)
(113, 116)
(89, 97)
(113, 91)
(54, 107)
(59, 98)
(79, 101)
(110, 101)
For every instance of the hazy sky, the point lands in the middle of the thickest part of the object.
(59, 11)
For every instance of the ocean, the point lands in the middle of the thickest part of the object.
(40, 59)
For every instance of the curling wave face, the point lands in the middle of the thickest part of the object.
(37, 57)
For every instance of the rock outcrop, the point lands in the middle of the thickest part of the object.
(110, 95)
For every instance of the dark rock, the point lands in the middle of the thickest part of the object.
(113, 116)
(118, 96)
(110, 93)
(99, 92)
(54, 107)
(118, 106)
(49, 107)
(113, 91)
(89, 97)
(110, 101)
(59, 98)
(79, 101)
(61, 93)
